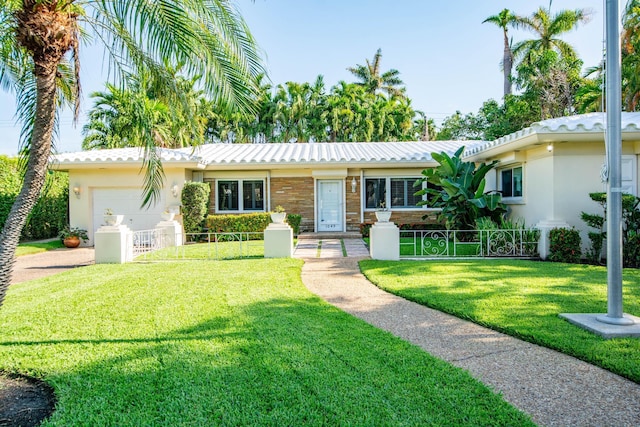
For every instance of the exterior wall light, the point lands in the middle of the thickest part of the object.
(354, 185)
(76, 190)
(175, 190)
(550, 147)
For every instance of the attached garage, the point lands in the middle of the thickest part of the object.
(126, 201)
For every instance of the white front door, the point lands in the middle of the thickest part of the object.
(330, 205)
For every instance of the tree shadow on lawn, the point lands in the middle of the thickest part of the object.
(280, 361)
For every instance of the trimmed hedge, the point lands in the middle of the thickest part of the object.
(251, 223)
(294, 221)
(247, 223)
(195, 198)
(49, 215)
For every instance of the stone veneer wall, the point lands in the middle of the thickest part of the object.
(353, 205)
(295, 195)
(406, 217)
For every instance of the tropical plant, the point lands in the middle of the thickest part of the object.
(374, 81)
(547, 27)
(503, 20)
(457, 188)
(630, 228)
(630, 51)
(547, 66)
(39, 62)
(68, 232)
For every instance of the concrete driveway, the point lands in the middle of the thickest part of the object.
(29, 267)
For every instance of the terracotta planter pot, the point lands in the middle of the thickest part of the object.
(71, 242)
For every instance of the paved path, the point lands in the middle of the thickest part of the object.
(44, 264)
(553, 388)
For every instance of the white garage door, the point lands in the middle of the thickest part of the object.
(125, 201)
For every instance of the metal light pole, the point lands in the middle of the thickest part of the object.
(614, 148)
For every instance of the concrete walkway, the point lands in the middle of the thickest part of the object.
(553, 388)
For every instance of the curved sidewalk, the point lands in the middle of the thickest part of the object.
(553, 388)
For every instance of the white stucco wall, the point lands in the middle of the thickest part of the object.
(81, 208)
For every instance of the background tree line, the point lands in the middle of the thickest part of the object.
(546, 71)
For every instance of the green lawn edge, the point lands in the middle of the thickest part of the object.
(522, 299)
(238, 342)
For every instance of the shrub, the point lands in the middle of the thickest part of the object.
(632, 250)
(50, 214)
(195, 198)
(248, 223)
(564, 245)
(294, 221)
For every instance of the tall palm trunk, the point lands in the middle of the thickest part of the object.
(507, 65)
(34, 178)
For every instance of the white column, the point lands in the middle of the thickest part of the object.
(171, 233)
(545, 226)
(113, 244)
(278, 241)
(385, 241)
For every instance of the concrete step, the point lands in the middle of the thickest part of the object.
(330, 235)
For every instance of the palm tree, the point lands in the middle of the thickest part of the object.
(630, 50)
(373, 81)
(547, 28)
(38, 38)
(503, 20)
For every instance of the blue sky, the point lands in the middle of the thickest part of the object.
(447, 58)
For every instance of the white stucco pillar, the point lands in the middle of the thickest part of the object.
(384, 241)
(171, 233)
(545, 226)
(278, 241)
(113, 244)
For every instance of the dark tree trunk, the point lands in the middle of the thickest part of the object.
(35, 175)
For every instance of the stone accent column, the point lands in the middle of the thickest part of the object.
(113, 244)
(278, 241)
(385, 241)
(545, 226)
(171, 233)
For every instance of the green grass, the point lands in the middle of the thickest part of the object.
(239, 342)
(213, 250)
(523, 299)
(410, 246)
(36, 248)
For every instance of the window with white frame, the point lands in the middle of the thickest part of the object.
(511, 182)
(240, 195)
(400, 194)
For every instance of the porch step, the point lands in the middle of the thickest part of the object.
(330, 235)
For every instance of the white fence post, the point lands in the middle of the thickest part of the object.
(544, 227)
(172, 232)
(278, 241)
(113, 244)
(385, 241)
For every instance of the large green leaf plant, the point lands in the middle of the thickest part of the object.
(457, 188)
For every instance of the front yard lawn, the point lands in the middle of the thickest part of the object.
(30, 248)
(521, 298)
(239, 342)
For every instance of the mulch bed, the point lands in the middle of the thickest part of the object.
(24, 401)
